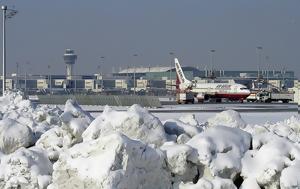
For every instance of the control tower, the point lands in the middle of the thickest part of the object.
(69, 58)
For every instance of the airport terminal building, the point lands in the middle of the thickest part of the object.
(163, 78)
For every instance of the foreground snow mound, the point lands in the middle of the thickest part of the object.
(220, 149)
(290, 176)
(75, 120)
(270, 155)
(112, 161)
(184, 125)
(25, 168)
(229, 118)
(38, 118)
(289, 128)
(136, 123)
(216, 183)
(13, 100)
(14, 135)
(178, 161)
(54, 141)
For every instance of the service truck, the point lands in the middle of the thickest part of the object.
(268, 97)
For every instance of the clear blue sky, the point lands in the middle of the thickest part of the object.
(41, 31)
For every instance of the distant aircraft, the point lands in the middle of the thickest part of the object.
(204, 91)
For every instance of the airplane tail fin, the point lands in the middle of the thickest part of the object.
(182, 81)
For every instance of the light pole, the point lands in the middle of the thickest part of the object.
(134, 80)
(258, 50)
(212, 52)
(102, 62)
(17, 75)
(7, 13)
(172, 59)
(49, 78)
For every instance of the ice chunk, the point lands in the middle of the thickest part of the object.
(178, 127)
(25, 168)
(14, 135)
(290, 176)
(270, 155)
(229, 118)
(221, 148)
(136, 123)
(54, 141)
(178, 161)
(112, 161)
(75, 120)
(216, 183)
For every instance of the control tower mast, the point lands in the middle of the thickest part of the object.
(69, 58)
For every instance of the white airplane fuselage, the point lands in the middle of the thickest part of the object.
(221, 90)
(211, 90)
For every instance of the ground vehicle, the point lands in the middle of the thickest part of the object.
(185, 98)
(205, 91)
(267, 97)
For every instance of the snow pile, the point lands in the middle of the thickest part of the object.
(270, 156)
(133, 149)
(54, 141)
(14, 135)
(38, 118)
(75, 120)
(220, 149)
(290, 176)
(228, 118)
(187, 125)
(112, 161)
(25, 168)
(216, 183)
(289, 128)
(178, 161)
(136, 123)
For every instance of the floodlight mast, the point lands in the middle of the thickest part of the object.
(7, 13)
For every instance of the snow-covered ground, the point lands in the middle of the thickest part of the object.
(66, 147)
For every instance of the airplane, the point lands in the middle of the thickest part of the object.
(205, 91)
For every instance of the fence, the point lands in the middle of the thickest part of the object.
(111, 100)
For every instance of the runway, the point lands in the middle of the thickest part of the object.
(240, 107)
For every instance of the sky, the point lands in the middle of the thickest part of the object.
(119, 29)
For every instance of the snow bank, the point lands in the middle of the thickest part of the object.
(228, 118)
(38, 118)
(178, 161)
(133, 149)
(14, 135)
(75, 119)
(216, 183)
(54, 141)
(136, 123)
(220, 149)
(270, 155)
(289, 128)
(25, 168)
(290, 176)
(184, 125)
(112, 161)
